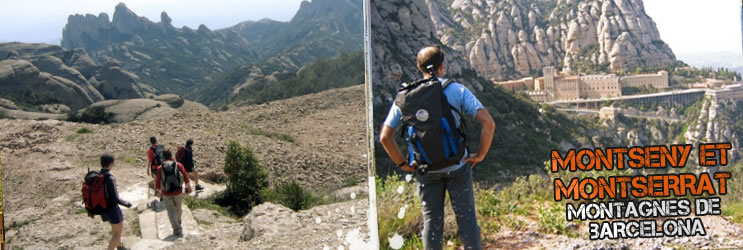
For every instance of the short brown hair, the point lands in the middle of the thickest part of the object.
(430, 55)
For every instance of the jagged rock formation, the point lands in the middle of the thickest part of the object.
(717, 122)
(180, 60)
(43, 74)
(172, 59)
(509, 39)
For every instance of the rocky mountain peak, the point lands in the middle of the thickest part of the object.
(203, 29)
(511, 39)
(126, 20)
(165, 19)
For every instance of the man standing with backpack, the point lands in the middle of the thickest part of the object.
(184, 155)
(431, 111)
(101, 198)
(169, 181)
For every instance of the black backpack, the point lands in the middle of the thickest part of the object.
(170, 179)
(158, 159)
(429, 128)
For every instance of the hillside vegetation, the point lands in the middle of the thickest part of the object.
(248, 85)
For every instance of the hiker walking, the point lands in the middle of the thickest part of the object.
(430, 112)
(184, 155)
(154, 160)
(101, 198)
(169, 181)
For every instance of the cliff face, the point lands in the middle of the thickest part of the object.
(509, 39)
(399, 29)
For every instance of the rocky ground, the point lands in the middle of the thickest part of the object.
(721, 234)
(317, 140)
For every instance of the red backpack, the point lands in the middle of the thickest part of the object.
(180, 153)
(94, 193)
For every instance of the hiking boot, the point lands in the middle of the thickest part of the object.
(122, 247)
(199, 188)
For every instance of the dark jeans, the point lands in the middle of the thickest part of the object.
(431, 190)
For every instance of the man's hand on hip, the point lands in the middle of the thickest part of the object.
(409, 168)
(473, 160)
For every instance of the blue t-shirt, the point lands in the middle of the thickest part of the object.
(459, 97)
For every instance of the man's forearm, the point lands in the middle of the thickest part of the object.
(486, 139)
(390, 146)
(393, 151)
(486, 133)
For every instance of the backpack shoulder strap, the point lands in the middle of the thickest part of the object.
(446, 84)
(406, 86)
(463, 124)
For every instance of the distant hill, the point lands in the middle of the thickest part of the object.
(255, 86)
(319, 29)
(714, 59)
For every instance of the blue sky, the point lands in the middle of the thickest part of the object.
(43, 20)
(694, 28)
(696, 25)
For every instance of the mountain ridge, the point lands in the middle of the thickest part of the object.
(183, 61)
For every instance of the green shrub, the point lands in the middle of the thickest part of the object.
(389, 203)
(208, 203)
(351, 181)
(246, 178)
(84, 130)
(269, 134)
(94, 115)
(734, 211)
(291, 195)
